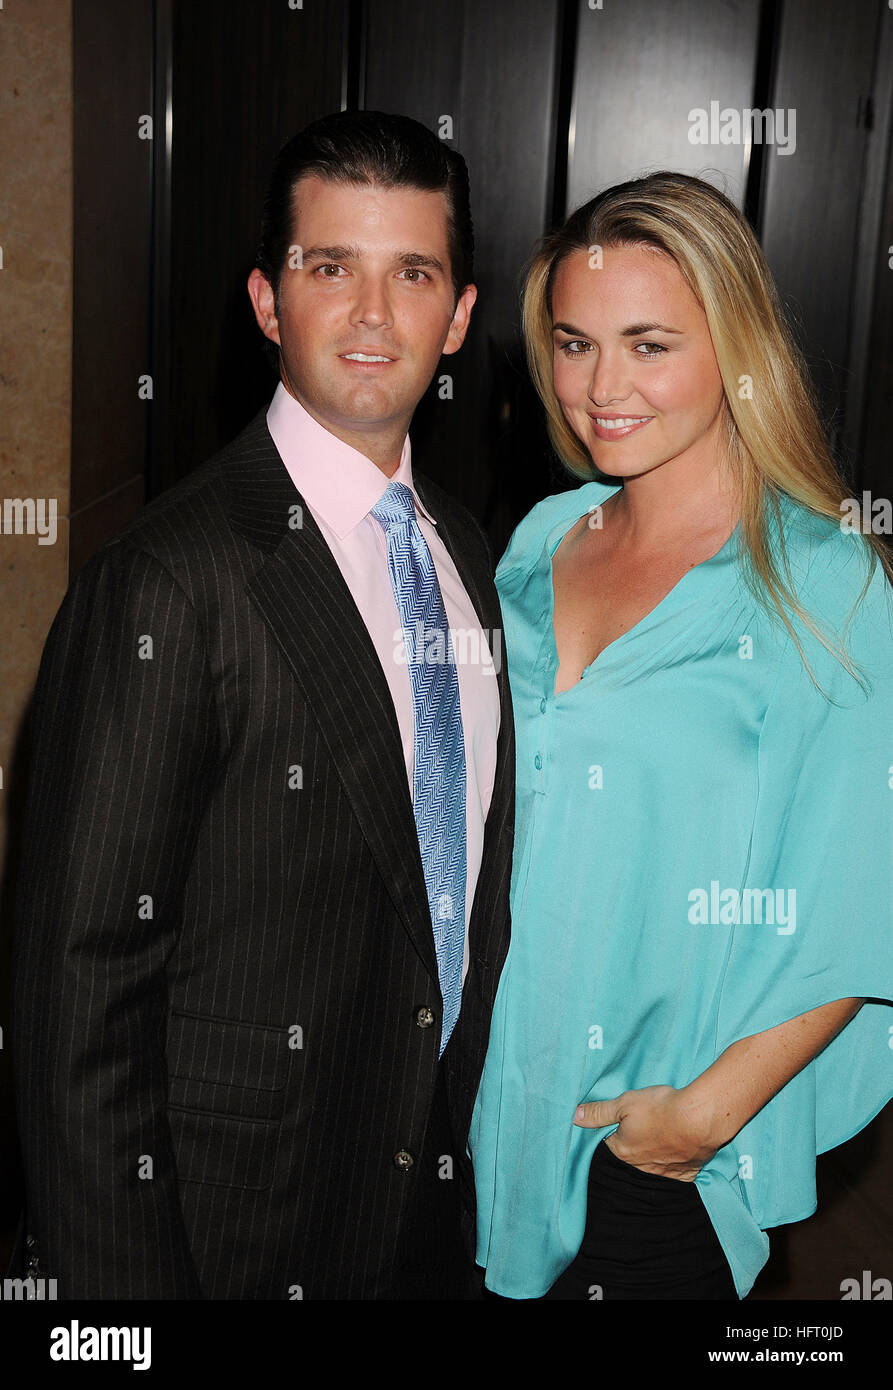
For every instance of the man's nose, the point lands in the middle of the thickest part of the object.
(372, 305)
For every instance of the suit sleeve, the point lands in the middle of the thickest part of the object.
(124, 739)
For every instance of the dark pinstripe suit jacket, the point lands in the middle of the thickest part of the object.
(223, 937)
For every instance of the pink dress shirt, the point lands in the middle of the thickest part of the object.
(340, 486)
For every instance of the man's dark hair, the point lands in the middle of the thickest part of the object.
(366, 147)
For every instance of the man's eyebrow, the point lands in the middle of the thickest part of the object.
(331, 253)
(353, 253)
(634, 330)
(417, 258)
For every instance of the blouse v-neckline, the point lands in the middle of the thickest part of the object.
(553, 541)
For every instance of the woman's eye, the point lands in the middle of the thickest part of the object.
(658, 348)
(572, 349)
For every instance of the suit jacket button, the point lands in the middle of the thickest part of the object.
(424, 1017)
(403, 1160)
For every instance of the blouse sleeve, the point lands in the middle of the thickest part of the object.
(818, 924)
(526, 541)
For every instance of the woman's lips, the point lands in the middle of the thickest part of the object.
(618, 429)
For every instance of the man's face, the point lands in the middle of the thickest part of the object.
(372, 280)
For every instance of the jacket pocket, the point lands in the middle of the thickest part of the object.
(226, 1066)
(223, 1150)
(227, 1085)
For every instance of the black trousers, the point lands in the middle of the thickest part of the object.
(433, 1261)
(646, 1237)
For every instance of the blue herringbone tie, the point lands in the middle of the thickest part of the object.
(439, 767)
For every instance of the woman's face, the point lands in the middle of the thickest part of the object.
(633, 363)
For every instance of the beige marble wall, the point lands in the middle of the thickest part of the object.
(35, 384)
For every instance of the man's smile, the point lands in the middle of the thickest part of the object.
(367, 358)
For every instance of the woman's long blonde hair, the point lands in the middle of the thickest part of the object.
(774, 438)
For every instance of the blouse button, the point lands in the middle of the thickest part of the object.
(538, 761)
(543, 706)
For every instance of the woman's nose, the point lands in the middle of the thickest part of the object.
(609, 383)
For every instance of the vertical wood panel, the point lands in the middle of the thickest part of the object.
(870, 388)
(641, 68)
(810, 218)
(245, 79)
(877, 458)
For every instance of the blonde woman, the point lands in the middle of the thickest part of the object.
(697, 997)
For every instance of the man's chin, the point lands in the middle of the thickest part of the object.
(350, 410)
(371, 407)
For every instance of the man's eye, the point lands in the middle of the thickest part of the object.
(329, 265)
(415, 270)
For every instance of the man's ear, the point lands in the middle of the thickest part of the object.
(263, 302)
(459, 326)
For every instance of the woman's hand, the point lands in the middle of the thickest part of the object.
(660, 1130)
(675, 1133)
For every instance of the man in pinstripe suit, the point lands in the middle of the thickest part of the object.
(227, 1010)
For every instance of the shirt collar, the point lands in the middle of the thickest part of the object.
(337, 482)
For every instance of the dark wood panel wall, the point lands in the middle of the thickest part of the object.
(549, 102)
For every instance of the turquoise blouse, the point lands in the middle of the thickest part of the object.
(703, 849)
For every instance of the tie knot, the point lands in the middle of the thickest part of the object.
(395, 505)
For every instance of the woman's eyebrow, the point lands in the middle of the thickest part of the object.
(633, 331)
(636, 328)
